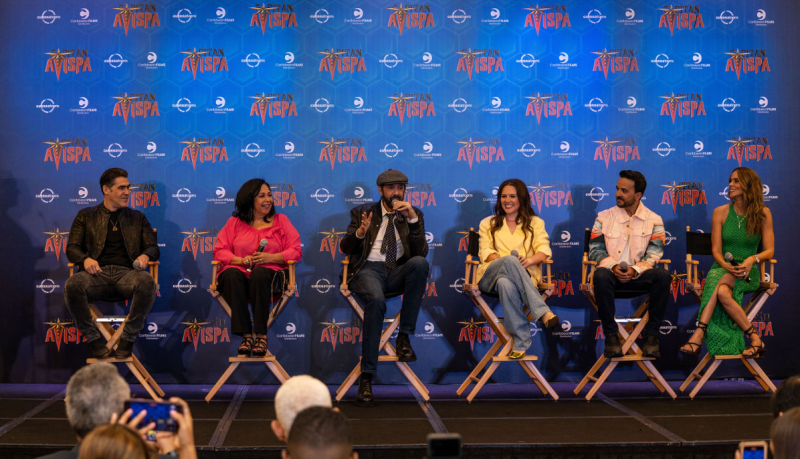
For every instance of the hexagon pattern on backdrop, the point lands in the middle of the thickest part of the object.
(195, 98)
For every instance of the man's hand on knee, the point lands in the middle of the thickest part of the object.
(91, 266)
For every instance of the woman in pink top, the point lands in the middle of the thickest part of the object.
(237, 250)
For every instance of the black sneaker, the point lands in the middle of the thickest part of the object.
(613, 346)
(650, 347)
(99, 349)
(124, 349)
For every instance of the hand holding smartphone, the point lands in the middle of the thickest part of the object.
(753, 450)
(157, 412)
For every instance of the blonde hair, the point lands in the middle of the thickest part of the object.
(753, 197)
(297, 394)
(113, 441)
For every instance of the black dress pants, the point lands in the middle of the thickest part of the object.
(237, 290)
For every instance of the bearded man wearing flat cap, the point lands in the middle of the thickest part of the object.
(387, 248)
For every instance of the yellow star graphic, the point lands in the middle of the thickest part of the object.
(468, 55)
(401, 99)
(58, 325)
(57, 145)
(194, 143)
(739, 143)
(195, 325)
(126, 10)
(737, 55)
(538, 98)
(333, 234)
(194, 234)
(471, 324)
(671, 11)
(606, 143)
(536, 10)
(469, 143)
(57, 56)
(672, 99)
(331, 144)
(195, 54)
(333, 325)
(400, 11)
(605, 54)
(538, 188)
(263, 10)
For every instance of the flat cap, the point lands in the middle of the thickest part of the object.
(391, 176)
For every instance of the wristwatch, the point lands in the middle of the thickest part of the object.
(758, 260)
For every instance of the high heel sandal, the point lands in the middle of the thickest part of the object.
(758, 350)
(549, 323)
(516, 355)
(246, 346)
(260, 347)
(696, 347)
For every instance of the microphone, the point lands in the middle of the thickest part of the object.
(514, 253)
(261, 246)
(137, 264)
(729, 258)
(623, 266)
(398, 215)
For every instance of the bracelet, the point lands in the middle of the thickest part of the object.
(758, 260)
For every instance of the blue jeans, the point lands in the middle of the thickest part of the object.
(507, 278)
(372, 284)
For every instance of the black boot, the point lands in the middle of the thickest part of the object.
(124, 349)
(650, 347)
(405, 353)
(613, 346)
(364, 395)
(99, 349)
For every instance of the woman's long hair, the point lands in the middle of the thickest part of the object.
(526, 212)
(113, 440)
(785, 435)
(753, 197)
(244, 200)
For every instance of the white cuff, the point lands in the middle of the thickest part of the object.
(414, 220)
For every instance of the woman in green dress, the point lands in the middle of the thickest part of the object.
(737, 229)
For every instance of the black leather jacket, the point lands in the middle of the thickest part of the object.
(87, 237)
(412, 236)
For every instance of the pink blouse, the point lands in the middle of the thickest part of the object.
(238, 239)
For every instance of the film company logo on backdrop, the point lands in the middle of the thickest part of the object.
(427, 62)
(411, 16)
(84, 18)
(83, 198)
(273, 105)
(749, 149)
(343, 150)
(64, 151)
(689, 104)
(548, 17)
(206, 60)
(291, 333)
(221, 17)
(342, 60)
(139, 16)
(152, 332)
(75, 60)
(427, 152)
(358, 196)
(622, 149)
(479, 60)
(409, 105)
(358, 107)
(681, 17)
(152, 152)
(548, 104)
(358, 18)
(211, 332)
(273, 15)
(480, 150)
(211, 149)
(152, 62)
(47, 195)
(135, 104)
(220, 197)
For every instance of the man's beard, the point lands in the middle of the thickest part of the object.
(623, 203)
(388, 201)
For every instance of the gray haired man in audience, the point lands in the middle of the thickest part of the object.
(320, 433)
(94, 394)
(295, 395)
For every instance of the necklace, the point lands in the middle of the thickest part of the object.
(114, 225)
(740, 220)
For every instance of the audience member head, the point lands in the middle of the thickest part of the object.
(94, 393)
(320, 433)
(113, 441)
(784, 435)
(787, 396)
(295, 395)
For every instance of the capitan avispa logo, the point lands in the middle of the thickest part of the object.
(207, 60)
(135, 104)
(142, 15)
(342, 150)
(409, 105)
(342, 60)
(204, 149)
(68, 60)
(617, 60)
(541, 104)
(273, 105)
(213, 332)
(409, 16)
(680, 17)
(547, 17)
(63, 151)
(749, 149)
(622, 149)
(480, 150)
(479, 60)
(338, 333)
(273, 15)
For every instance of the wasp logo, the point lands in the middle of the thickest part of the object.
(476, 331)
(418, 104)
(68, 60)
(335, 333)
(607, 150)
(342, 60)
(352, 151)
(409, 16)
(143, 15)
(213, 151)
(265, 105)
(548, 16)
(674, 105)
(684, 194)
(136, 104)
(541, 105)
(749, 149)
(330, 243)
(682, 17)
(757, 62)
(197, 333)
(66, 150)
(273, 15)
(471, 151)
(617, 60)
(479, 60)
(195, 60)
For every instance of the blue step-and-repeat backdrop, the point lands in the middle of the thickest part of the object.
(318, 98)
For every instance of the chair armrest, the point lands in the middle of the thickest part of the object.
(291, 273)
(549, 275)
(345, 264)
(214, 266)
(71, 269)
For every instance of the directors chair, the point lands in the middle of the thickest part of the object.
(105, 326)
(629, 329)
(391, 354)
(700, 244)
(499, 351)
(269, 359)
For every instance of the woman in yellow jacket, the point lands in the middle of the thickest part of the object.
(513, 244)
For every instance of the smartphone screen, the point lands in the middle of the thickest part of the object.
(157, 412)
(754, 452)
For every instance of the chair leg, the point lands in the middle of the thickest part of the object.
(348, 383)
(142, 381)
(658, 380)
(138, 364)
(759, 374)
(483, 380)
(539, 379)
(705, 377)
(590, 374)
(697, 372)
(611, 365)
(222, 380)
(473, 377)
(277, 370)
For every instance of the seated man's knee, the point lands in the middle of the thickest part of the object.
(76, 283)
(418, 263)
(661, 276)
(144, 280)
(505, 286)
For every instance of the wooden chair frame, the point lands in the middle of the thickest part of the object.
(269, 359)
(499, 351)
(113, 336)
(391, 354)
(751, 308)
(631, 329)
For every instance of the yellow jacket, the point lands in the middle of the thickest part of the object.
(506, 242)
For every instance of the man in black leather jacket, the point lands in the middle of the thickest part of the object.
(112, 244)
(387, 248)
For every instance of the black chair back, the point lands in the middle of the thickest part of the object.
(473, 243)
(698, 243)
(587, 235)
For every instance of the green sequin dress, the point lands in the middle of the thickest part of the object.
(723, 336)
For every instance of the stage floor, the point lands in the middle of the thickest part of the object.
(503, 421)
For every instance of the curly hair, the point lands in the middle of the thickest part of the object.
(752, 197)
(526, 212)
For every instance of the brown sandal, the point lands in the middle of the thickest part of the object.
(696, 347)
(758, 350)
(246, 346)
(260, 347)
